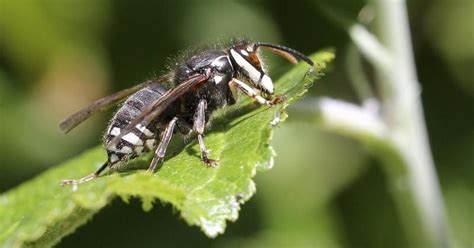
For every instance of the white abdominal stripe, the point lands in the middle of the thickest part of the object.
(144, 130)
(264, 82)
(133, 140)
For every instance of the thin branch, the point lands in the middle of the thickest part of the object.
(367, 43)
(370, 47)
(404, 117)
(344, 117)
(359, 80)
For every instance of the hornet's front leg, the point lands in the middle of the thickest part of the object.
(198, 127)
(251, 92)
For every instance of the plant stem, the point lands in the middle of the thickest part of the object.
(416, 188)
(404, 148)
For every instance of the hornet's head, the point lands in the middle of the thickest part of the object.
(247, 62)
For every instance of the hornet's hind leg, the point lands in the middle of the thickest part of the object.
(86, 178)
(198, 127)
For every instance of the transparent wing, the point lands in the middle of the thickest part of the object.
(156, 108)
(105, 103)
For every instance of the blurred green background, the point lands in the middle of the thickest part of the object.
(324, 190)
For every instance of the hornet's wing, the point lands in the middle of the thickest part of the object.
(105, 103)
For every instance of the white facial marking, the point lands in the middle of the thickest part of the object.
(150, 143)
(115, 131)
(267, 84)
(144, 130)
(133, 139)
(250, 49)
(252, 72)
(244, 52)
(114, 158)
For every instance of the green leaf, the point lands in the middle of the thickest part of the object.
(40, 212)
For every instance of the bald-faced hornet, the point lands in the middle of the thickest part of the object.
(202, 83)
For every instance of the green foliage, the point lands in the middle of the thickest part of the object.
(40, 212)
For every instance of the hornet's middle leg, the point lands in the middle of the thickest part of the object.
(198, 127)
(161, 149)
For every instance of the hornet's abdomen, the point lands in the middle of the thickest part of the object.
(141, 139)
